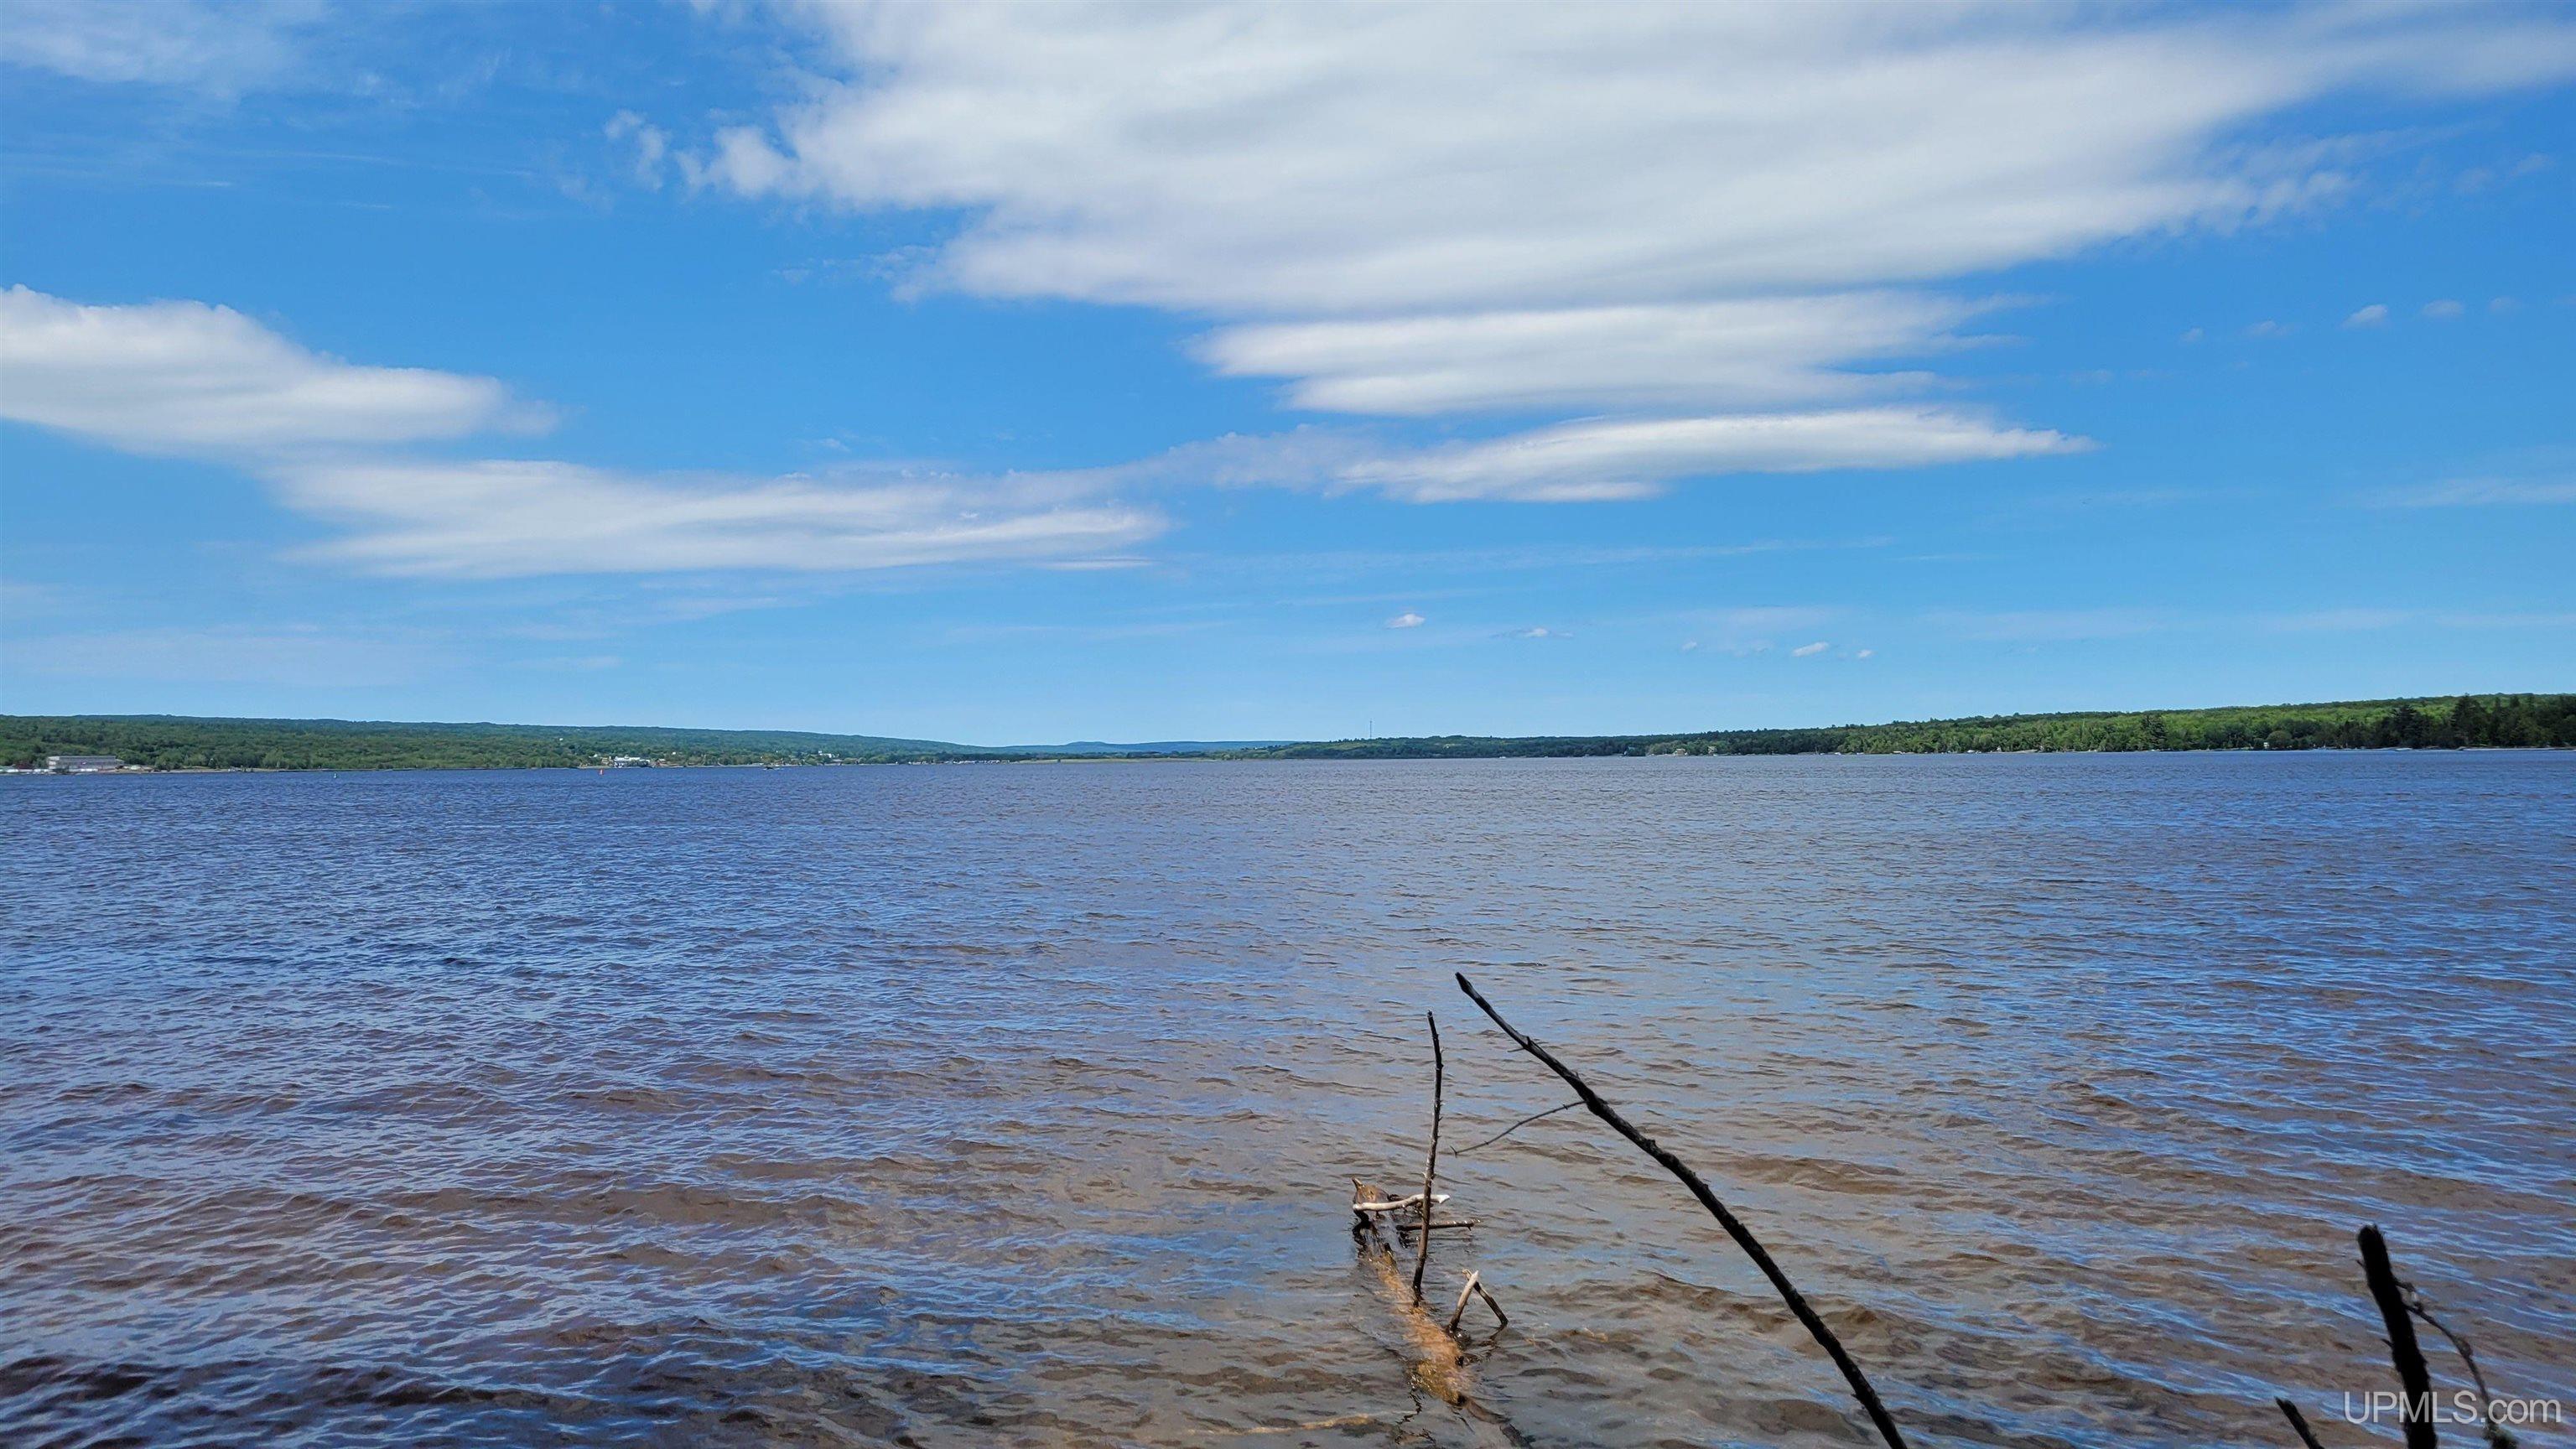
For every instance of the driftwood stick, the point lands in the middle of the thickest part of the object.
(1404, 1227)
(1501, 1319)
(2496, 1436)
(2414, 1381)
(1515, 1127)
(1439, 1083)
(2298, 1424)
(1735, 1229)
(1410, 1200)
(1460, 1311)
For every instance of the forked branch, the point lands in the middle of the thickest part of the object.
(1743, 1236)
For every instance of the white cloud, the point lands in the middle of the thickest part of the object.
(651, 145)
(1540, 631)
(1607, 459)
(2374, 315)
(1406, 620)
(1866, 654)
(186, 378)
(2443, 310)
(211, 45)
(2050, 626)
(496, 518)
(2477, 492)
(1747, 352)
(1724, 215)
(1809, 651)
(1407, 157)
(2268, 328)
(298, 654)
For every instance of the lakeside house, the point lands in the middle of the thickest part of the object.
(83, 764)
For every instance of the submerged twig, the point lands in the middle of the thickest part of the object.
(2496, 1435)
(1431, 1160)
(1735, 1229)
(2299, 1424)
(2414, 1381)
(1515, 1127)
(1459, 1312)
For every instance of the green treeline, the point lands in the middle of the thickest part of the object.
(2470, 721)
(174, 743)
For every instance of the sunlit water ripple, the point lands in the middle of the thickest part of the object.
(1017, 1104)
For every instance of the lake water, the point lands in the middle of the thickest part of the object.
(1017, 1104)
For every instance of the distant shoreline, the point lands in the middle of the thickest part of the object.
(171, 743)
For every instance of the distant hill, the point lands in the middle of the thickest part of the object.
(1151, 747)
(2470, 720)
(179, 742)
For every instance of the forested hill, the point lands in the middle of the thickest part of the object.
(179, 742)
(174, 742)
(2469, 721)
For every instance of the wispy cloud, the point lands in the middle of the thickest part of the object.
(194, 380)
(1810, 651)
(1406, 620)
(2374, 315)
(1720, 225)
(209, 45)
(295, 654)
(2444, 310)
(2047, 626)
(1601, 460)
(2476, 493)
(187, 378)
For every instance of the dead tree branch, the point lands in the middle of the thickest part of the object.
(2414, 1381)
(1439, 1082)
(2299, 1424)
(1515, 1127)
(1743, 1236)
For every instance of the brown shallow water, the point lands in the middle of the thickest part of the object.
(1017, 1104)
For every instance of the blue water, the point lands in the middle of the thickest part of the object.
(1016, 1104)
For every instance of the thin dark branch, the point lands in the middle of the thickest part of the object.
(1439, 1080)
(1515, 1127)
(2298, 1424)
(2414, 1381)
(1735, 1229)
(2497, 1436)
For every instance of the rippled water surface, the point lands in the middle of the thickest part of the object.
(1018, 1104)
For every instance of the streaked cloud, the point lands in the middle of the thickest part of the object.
(2374, 315)
(1719, 226)
(1592, 461)
(1746, 352)
(1406, 620)
(210, 45)
(188, 378)
(2477, 493)
(2443, 310)
(1809, 651)
(499, 518)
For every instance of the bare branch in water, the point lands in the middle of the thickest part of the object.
(1439, 1082)
(2413, 1379)
(1735, 1229)
(1515, 1127)
(2497, 1436)
(2299, 1424)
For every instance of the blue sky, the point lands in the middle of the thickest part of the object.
(1036, 374)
